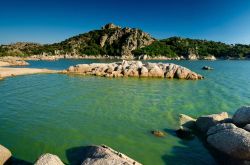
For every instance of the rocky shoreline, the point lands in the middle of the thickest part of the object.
(134, 69)
(91, 155)
(228, 136)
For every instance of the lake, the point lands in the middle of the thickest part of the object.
(58, 113)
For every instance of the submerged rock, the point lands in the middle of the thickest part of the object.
(5, 155)
(104, 155)
(242, 116)
(134, 69)
(158, 133)
(231, 140)
(203, 123)
(49, 159)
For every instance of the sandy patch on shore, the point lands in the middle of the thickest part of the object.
(8, 72)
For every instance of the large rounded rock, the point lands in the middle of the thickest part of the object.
(230, 140)
(104, 155)
(203, 123)
(5, 154)
(155, 71)
(242, 116)
(49, 159)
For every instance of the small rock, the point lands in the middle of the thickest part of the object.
(5, 154)
(158, 133)
(242, 116)
(49, 159)
(207, 68)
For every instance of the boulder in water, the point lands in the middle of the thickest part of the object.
(204, 122)
(49, 159)
(242, 116)
(104, 155)
(5, 155)
(231, 140)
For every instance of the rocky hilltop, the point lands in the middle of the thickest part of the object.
(134, 69)
(110, 40)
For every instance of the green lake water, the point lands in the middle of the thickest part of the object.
(58, 113)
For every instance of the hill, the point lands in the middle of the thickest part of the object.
(127, 42)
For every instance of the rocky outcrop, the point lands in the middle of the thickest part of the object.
(5, 155)
(203, 123)
(229, 137)
(49, 159)
(134, 69)
(104, 155)
(230, 140)
(210, 57)
(110, 26)
(12, 61)
(242, 116)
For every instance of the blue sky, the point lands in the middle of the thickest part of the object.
(49, 21)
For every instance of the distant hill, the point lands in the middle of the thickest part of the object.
(177, 46)
(126, 42)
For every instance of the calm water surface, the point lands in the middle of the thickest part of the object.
(56, 113)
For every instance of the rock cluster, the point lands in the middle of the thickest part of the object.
(229, 136)
(134, 69)
(12, 61)
(95, 155)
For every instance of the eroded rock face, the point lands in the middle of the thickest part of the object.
(5, 154)
(203, 123)
(242, 116)
(104, 155)
(49, 159)
(134, 69)
(230, 140)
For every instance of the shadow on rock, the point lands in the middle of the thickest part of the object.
(77, 155)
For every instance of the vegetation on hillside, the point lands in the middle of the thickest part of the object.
(176, 46)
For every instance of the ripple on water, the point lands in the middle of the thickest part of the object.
(53, 113)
